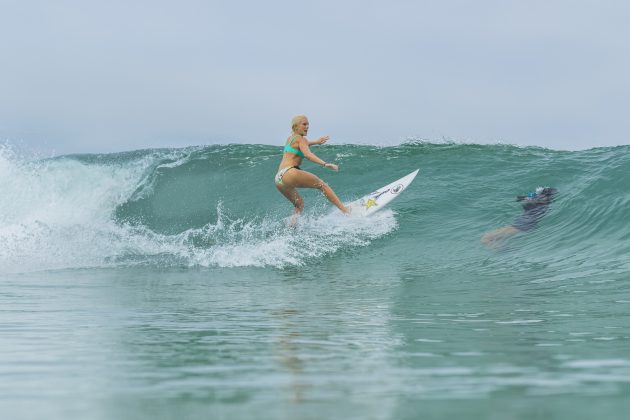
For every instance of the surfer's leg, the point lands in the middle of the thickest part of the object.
(294, 197)
(303, 179)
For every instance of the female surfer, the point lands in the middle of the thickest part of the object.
(290, 176)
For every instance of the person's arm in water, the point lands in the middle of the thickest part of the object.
(312, 157)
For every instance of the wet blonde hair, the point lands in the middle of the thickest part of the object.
(296, 120)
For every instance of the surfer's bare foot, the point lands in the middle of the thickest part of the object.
(294, 219)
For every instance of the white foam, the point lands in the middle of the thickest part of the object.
(272, 243)
(521, 321)
(597, 363)
(59, 214)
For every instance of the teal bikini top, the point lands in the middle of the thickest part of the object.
(289, 149)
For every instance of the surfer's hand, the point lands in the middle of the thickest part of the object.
(321, 140)
(331, 166)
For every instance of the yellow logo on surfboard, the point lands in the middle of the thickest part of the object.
(371, 202)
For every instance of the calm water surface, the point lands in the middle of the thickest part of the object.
(310, 343)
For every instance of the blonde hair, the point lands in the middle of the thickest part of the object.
(296, 120)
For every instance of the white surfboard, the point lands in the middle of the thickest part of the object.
(376, 200)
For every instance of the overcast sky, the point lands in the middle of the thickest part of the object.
(113, 75)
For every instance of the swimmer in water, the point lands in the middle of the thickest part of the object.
(535, 206)
(290, 177)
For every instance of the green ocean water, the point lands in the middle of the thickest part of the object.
(165, 284)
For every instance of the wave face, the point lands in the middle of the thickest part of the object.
(216, 206)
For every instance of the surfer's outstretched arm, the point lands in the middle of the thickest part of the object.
(320, 140)
(313, 157)
(498, 236)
